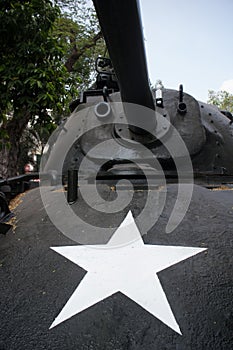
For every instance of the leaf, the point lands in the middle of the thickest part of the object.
(39, 84)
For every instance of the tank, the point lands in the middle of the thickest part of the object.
(127, 244)
(122, 84)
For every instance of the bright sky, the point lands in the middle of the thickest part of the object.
(190, 42)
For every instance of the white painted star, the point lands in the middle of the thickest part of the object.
(125, 264)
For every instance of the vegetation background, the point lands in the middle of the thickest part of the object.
(48, 50)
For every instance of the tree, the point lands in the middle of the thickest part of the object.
(32, 73)
(222, 99)
(79, 30)
(47, 57)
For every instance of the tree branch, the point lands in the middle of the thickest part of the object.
(77, 53)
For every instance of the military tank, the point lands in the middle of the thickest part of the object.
(206, 131)
(136, 203)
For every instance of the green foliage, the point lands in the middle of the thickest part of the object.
(47, 57)
(81, 12)
(36, 41)
(78, 29)
(222, 99)
(32, 72)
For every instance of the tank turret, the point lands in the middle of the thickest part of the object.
(110, 111)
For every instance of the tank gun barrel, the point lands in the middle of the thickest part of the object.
(121, 26)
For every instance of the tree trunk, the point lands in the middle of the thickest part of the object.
(4, 155)
(9, 154)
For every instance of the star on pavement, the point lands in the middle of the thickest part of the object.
(125, 264)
